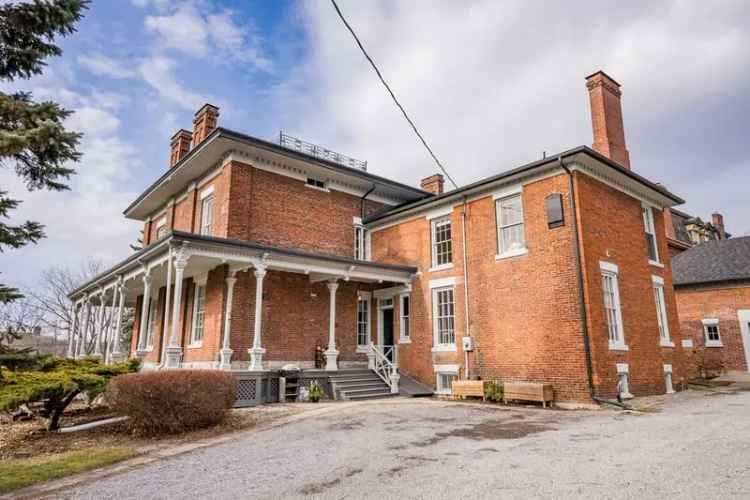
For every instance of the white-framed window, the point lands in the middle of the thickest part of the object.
(207, 208)
(611, 291)
(711, 332)
(199, 314)
(661, 312)
(442, 243)
(443, 317)
(363, 321)
(510, 227)
(405, 323)
(444, 377)
(650, 231)
(316, 183)
(152, 323)
(360, 246)
(161, 228)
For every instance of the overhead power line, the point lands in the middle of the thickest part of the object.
(393, 96)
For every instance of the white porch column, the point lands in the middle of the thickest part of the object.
(85, 308)
(98, 329)
(331, 353)
(110, 327)
(167, 303)
(72, 330)
(226, 351)
(116, 354)
(174, 351)
(142, 329)
(257, 352)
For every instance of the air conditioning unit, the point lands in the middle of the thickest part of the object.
(468, 343)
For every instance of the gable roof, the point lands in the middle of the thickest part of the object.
(713, 262)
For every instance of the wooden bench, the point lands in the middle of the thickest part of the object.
(528, 391)
(466, 388)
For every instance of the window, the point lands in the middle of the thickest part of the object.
(199, 313)
(648, 223)
(712, 333)
(363, 322)
(316, 183)
(553, 204)
(443, 316)
(161, 228)
(405, 307)
(445, 382)
(442, 250)
(509, 213)
(610, 289)
(359, 242)
(661, 312)
(207, 207)
(152, 322)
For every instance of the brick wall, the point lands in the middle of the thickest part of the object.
(698, 303)
(612, 230)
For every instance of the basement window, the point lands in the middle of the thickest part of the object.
(316, 183)
(711, 333)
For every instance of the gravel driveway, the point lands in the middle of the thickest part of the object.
(698, 446)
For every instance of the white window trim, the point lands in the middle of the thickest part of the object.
(650, 216)
(436, 345)
(317, 188)
(403, 339)
(364, 297)
(433, 244)
(198, 282)
(207, 192)
(444, 370)
(360, 245)
(203, 230)
(712, 322)
(658, 285)
(498, 230)
(443, 282)
(612, 269)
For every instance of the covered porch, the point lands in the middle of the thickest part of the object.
(206, 302)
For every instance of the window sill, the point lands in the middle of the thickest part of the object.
(444, 348)
(512, 253)
(714, 344)
(441, 267)
(666, 343)
(362, 349)
(656, 264)
(195, 345)
(404, 340)
(618, 347)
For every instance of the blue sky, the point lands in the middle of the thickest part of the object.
(491, 84)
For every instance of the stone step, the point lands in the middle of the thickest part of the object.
(357, 378)
(362, 386)
(371, 396)
(366, 391)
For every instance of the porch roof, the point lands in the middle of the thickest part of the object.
(206, 252)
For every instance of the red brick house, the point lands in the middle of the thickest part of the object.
(256, 253)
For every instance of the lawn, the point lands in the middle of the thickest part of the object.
(18, 473)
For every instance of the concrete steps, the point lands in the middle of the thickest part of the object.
(358, 384)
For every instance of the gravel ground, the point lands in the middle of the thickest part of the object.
(697, 446)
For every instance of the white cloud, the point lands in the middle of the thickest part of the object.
(102, 65)
(184, 30)
(157, 71)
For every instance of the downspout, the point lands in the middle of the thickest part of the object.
(466, 284)
(581, 293)
(362, 202)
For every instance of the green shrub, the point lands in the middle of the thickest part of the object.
(493, 391)
(56, 382)
(173, 401)
(316, 392)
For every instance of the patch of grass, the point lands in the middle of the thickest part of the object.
(18, 473)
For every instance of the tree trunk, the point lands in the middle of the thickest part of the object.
(57, 411)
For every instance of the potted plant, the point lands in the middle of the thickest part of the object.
(315, 392)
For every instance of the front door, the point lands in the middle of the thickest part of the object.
(744, 317)
(388, 342)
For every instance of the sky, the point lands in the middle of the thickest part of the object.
(491, 85)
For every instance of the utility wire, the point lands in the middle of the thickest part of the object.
(393, 96)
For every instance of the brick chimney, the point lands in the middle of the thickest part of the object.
(433, 184)
(718, 222)
(606, 118)
(180, 145)
(204, 123)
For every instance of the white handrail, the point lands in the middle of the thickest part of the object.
(383, 367)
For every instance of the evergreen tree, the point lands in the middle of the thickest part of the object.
(33, 139)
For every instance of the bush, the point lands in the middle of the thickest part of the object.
(173, 401)
(493, 391)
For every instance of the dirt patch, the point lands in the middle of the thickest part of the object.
(489, 430)
(346, 425)
(316, 488)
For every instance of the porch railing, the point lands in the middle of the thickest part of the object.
(380, 363)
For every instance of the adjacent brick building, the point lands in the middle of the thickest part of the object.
(259, 255)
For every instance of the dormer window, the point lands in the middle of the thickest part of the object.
(316, 183)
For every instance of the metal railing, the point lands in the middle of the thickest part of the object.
(290, 142)
(381, 364)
